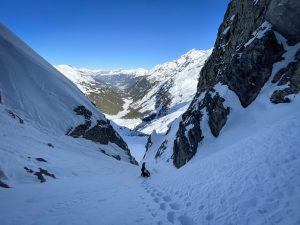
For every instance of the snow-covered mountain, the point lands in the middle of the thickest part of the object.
(237, 145)
(147, 95)
(40, 113)
(250, 82)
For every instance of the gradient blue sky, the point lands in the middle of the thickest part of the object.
(114, 33)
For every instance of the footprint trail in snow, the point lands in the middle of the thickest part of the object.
(169, 208)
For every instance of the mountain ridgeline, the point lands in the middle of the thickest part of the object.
(250, 41)
(256, 54)
(149, 94)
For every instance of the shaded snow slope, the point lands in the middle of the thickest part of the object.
(252, 181)
(34, 89)
(37, 110)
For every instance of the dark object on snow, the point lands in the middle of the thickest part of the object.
(3, 185)
(145, 172)
(43, 172)
(14, 116)
(28, 170)
(117, 157)
(41, 159)
(50, 145)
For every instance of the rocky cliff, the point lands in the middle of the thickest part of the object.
(257, 43)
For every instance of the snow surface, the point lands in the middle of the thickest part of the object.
(254, 180)
(184, 72)
(37, 108)
(250, 174)
(36, 91)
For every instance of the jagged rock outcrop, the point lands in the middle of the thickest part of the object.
(217, 113)
(289, 76)
(102, 132)
(148, 144)
(246, 49)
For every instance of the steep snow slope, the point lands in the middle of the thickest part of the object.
(35, 90)
(35, 97)
(255, 180)
(175, 82)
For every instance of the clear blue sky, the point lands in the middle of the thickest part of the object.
(114, 33)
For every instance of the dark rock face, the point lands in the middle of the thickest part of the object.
(251, 67)
(217, 113)
(289, 75)
(102, 132)
(161, 149)
(243, 57)
(185, 147)
(40, 174)
(284, 15)
(148, 144)
(163, 98)
(82, 111)
(190, 134)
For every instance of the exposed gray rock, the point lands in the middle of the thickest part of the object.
(14, 116)
(161, 149)
(185, 147)
(80, 129)
(217, 113)
(102, 132)
(284, 16)
(3, 185)
(28, 170)
(163, 98)
(81, 110)
(148, 144)
(251, 67)
(244, 63)
(42, 172)
(117, 157)
(290, 76)
(50, 145)
(41, 159)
